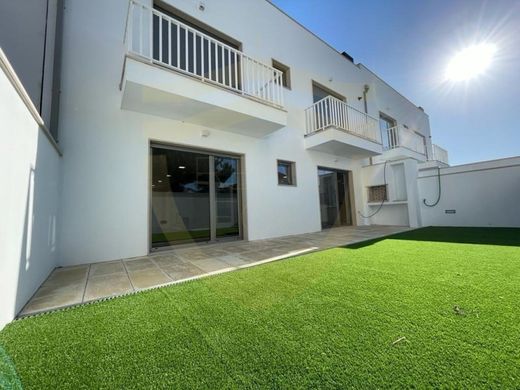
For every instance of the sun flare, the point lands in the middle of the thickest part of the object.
(471, 62)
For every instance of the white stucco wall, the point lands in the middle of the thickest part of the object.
(106, 167)
(482, 194)
(401, 207)
(29, 190)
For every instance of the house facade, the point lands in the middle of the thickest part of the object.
(178, 126)
(153, 124)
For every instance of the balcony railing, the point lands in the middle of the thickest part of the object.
(332, 112)
(165, 41)
(400, 136)
(440, 154)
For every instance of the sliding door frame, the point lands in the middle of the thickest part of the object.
(348, 195)
(212, 153)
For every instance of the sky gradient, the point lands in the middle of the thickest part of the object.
(409, 43)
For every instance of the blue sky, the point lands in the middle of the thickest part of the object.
(409, 44)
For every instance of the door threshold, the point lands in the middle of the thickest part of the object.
(192, 245)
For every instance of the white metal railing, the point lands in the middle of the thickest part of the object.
(332, 112)
(163, 40)
(440, 154)
(399, 136)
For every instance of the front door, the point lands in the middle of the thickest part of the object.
(334, 198)
(195, 196)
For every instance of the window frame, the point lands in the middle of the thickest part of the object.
(291, 182)
(196, 24)
(286, 72)
(387, 118)
(330, 92)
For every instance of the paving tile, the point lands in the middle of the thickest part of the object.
(66, 286)
(186, 270)
(112, 267)
(145, 278)
(54, 289)
(194, 255)
(256, 256)
(139, 264)
(53, 301)
(210, 265)
(68, 276)
(167, 260)
(179, 266)
(107, 286)
(232, 260)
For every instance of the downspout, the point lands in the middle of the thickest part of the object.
(366, 88)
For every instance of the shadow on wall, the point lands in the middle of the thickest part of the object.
(459, 235)
(29, 190)
(38, 249)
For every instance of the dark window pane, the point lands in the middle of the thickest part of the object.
(180, 197)
(285, 173)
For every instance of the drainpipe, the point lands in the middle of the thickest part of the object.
(366, 88)
(365, 91)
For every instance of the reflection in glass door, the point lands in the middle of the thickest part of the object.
(334, 198)
(194, 197)
(226, 197)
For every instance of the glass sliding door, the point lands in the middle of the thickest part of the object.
(180, 197)
(335, 207)
(195, 196)
(226, 197)
(328, 198)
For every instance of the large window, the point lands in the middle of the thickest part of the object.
(195, 196)
(286, 173)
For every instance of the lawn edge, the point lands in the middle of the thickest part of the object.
(289, 255)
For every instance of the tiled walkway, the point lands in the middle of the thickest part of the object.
(83, 283)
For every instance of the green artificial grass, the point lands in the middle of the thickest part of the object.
(435, 307)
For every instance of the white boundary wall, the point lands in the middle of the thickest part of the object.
(29, 190)
(480, 194)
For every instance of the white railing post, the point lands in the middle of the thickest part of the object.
(332, 112)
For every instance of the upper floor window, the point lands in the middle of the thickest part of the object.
(320, 92)
(193, 23)
(286, 73)
(388, 137)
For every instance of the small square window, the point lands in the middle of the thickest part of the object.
(377, 193)
(286, 173)
(286, 73)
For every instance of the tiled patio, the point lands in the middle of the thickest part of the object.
(83, 283)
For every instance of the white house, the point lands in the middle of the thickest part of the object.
(138, 126)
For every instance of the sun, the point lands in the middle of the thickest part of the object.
(471, 62)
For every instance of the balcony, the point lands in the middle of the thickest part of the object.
(401, 142)
(440, 154)
(175, 71)
(332, 126)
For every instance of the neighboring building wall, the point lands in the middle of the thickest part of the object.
(27, 31)
(481, 194)
(29, 170)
